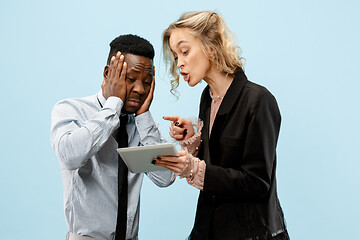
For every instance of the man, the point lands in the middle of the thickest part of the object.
(85, 133)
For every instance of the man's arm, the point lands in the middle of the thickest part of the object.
(148, 130)
(150, 135)
(75, 139)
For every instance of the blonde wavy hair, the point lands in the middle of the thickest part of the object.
(215, 36)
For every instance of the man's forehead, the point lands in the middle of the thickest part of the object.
(139, 66)
(138, 63)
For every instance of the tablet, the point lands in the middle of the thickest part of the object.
(138, 159)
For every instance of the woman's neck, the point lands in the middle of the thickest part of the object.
(218, 82)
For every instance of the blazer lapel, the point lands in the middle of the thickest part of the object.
(227, 104)
(233, 92)
(205, 131)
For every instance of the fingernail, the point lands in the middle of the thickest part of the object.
(153, 162)
(158, 158)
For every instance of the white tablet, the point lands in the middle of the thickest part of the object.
(138, 159)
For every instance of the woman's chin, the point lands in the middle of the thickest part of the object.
(193, 83)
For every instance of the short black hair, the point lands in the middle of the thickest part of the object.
(133, 44)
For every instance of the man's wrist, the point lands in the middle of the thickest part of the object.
(114, 103)
(144, 120)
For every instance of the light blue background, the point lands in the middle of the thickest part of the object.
(305, 52)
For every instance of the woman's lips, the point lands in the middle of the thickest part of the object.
(186, 76)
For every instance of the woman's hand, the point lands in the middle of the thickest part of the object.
(175, 164)
(180, 128)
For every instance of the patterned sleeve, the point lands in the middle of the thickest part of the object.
(192, 144)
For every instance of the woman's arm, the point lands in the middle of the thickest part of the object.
(182, 130)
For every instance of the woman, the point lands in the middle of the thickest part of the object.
(232, 156)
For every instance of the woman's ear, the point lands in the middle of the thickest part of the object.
(211, 53)
(106, 71)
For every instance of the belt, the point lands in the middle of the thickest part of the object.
(73, 236)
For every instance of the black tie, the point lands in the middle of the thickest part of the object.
(122, 139)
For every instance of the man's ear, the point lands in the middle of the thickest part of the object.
(106, 71)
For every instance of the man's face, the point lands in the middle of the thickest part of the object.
(139, 76)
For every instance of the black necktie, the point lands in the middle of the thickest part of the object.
(122, 139)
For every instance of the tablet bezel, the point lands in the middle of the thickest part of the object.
(138, 159)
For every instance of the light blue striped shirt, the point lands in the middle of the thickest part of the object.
(81, 136)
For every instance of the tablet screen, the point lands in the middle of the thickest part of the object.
(138, 159)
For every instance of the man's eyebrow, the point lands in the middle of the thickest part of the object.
(134, 70)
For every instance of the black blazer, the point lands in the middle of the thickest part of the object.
(239, 199)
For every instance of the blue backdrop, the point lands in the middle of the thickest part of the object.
(305, 52)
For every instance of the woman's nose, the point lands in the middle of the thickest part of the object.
(180, 63)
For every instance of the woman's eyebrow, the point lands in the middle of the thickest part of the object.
(180, 42)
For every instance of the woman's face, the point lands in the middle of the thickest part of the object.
(193, 63)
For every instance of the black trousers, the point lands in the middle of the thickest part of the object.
(282, 236)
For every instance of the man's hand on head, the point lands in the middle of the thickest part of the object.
(114, 83)
(145, 106)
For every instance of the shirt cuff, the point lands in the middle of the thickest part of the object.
(198, 179)
(192, 144)
(114, 103)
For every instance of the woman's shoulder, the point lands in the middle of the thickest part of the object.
(257, 95)
(256, 90)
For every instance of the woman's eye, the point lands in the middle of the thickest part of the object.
(147, 83)
(131, 79)
(186, 52)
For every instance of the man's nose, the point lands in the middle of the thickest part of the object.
(139, 87)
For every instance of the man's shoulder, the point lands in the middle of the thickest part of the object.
(76, 104)
(77, 101)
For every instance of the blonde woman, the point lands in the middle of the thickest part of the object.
(231, 157)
